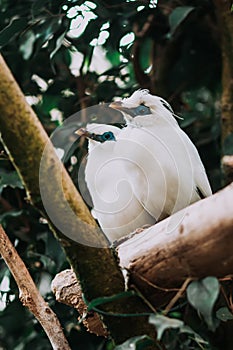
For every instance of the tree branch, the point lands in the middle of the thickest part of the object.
(26, 141)
(193, 243)
(30, 296)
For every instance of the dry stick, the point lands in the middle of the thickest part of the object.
(29, 295)
(177, 296)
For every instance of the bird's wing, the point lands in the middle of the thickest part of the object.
(203, 188)
(164, 167)
(139, 150)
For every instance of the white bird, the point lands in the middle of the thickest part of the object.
(115, 206)
(144, 172)
(163, 167)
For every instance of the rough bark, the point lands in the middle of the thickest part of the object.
(29, 295)
(68, 291)
(193, 243)
(225, 24)
(25, 140)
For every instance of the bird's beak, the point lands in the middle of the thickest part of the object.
(118, 106)
(83, 132)
(133, 111)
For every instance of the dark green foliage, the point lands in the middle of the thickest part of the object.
(202, 295)
(175, 53)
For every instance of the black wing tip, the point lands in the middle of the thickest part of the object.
(200, 193)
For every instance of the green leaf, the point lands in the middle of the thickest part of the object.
(224, 314)
(136, 343)
(202, 295)
(162, 323)
(45, 31)
(10, 214)
(145, 53)
(9, 178)
(27, 44)
(113, 57)
(178, 15)
(8, 33)
(59, 42)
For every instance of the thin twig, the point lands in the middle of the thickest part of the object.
(29, 295)
(146, 301)
(155, 286)
(177, 296)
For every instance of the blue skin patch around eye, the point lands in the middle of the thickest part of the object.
(140, 110)
(106, 136)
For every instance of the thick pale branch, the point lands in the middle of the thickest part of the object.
(193, 243)
(30, 296)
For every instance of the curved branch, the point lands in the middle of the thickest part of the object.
(30, 296)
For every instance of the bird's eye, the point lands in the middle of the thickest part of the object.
(108, 136)
(143, 110)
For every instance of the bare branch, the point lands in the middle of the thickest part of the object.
(30, 296)
(193, 243)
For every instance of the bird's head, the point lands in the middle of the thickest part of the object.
(142, 103)
(99, 133)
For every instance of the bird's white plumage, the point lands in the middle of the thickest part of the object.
(115, 206)
(170, 160)
(151, 171)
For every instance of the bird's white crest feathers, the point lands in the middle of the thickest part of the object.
(136, 98)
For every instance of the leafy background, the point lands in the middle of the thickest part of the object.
(70, 55)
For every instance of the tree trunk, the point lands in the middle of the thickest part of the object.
(225, 24)
(26, 141)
